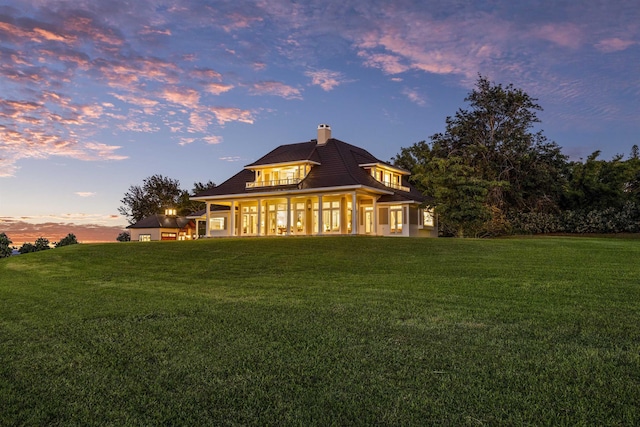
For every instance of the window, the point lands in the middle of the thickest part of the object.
(331, 216)
(427, 218)
(168, 236)
(249, 220)
(144, 238)
(217, 223)
(396, 218)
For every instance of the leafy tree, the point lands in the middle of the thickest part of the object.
(42, 244)
(125, 236)
(187, 206)
(602, 184)
(70, 239)
(5, 246)
(27, 248)
(489, 155)
(156, 194)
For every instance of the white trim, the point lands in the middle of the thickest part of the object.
(311, 191)
(385, 166)
(277, 165)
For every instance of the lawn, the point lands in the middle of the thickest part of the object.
(323, 331)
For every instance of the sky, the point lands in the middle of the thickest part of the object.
(96, 96)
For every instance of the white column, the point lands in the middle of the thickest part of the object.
(259, 217)
(375, 217)
(232, 219)
(320, 226)
(354, 214)
(288, 216)
(207, 232)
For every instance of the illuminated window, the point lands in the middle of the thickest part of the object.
(144, 238)
(217, 224)
(427, 218)
(168, 236)
(396, 218)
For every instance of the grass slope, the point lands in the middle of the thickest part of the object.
(323, 331)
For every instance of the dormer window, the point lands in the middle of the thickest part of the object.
(387, 175)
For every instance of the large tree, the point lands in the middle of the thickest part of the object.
(490, 153)
(156, 194)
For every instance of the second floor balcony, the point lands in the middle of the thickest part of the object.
(273, 183)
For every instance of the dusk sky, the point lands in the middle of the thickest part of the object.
(98, 95)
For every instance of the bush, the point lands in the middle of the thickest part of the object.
(609, 220)
(69, 240)
(124, 237)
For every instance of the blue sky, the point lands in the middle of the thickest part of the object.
(95, 96)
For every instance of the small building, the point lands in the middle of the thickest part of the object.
(163, 227)
(321, 187)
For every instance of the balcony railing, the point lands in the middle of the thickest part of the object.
(273, 183)
(396, 186)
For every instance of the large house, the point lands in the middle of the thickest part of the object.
(320, 187)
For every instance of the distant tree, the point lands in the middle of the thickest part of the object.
(125, 236)
(5, 246)
(635, 152)
(42, 244)
(70, 239)
(27, 248)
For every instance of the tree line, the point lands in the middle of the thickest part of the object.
(40, 244)
(489, 173)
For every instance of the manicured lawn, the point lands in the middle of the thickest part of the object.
(323, 331)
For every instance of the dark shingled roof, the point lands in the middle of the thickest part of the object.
(161, 221)
(339, 166)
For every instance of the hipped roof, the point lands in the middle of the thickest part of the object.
(338, 166)
(161, 221)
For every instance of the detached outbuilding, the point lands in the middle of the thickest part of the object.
(163, 227)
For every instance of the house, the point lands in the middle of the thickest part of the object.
(163, 227)
(321, 187)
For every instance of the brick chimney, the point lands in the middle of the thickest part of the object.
(324, 134)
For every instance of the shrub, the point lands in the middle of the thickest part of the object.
(69, 240)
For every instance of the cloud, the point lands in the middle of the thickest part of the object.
(230, 114)
(85, 193)
(614, 45)
(212, 139)
(326, 79)
(189, 98)
(276, 89)
(230, 159)
(414, 96)
(218, 88)
(565, 34)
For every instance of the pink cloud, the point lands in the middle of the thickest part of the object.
(189, 98)
(276, 89)
(614, 45)
(218, 88)
(326, 79)
(230, 114)
(564, 35)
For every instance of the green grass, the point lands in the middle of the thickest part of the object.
(323, 331)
